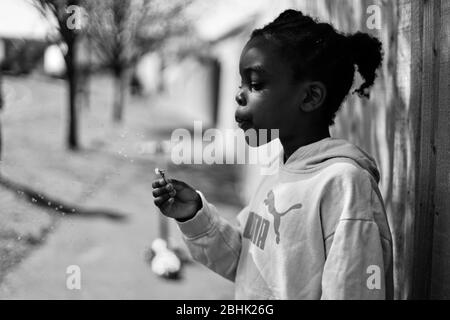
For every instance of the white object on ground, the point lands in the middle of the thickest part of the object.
(165, 262)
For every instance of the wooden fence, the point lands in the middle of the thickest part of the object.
(406, 126)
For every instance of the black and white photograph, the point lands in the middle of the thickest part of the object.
(224, 154)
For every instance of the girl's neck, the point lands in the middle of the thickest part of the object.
(291, 145)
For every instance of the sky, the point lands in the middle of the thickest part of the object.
(18, 18)
(219, 16)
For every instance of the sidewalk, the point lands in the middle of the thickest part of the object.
(23, 227)
(107, 175)
(110, 255)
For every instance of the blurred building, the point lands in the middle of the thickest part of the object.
(23, 36)
(29, 41)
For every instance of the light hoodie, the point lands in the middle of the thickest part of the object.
(316, 229)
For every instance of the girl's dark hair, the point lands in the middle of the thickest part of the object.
(317, 51)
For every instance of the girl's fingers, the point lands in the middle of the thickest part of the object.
(160, 200)
(158, 183)
(165, 189)
(176, 184)
(157, 192)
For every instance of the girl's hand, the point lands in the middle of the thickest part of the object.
(176, 199)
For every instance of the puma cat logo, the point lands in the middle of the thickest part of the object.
(270, 203)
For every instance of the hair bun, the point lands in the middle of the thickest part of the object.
(294, 17)
(291, 14)
(367, 54)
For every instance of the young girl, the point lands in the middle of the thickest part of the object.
(317, 229)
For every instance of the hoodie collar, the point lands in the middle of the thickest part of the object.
(301, 153)
(315, 154)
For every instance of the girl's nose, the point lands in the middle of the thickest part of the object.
(240, 98)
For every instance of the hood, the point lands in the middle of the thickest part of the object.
(314, 154)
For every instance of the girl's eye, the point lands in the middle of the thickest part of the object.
(256, 86)
(253, 86)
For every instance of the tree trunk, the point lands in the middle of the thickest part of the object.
(85, 79)
(161, 84)
(72, 81)
(1, 107)
(120, 91)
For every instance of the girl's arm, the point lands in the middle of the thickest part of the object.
(356, 267)
(212, 240)
(358, 242)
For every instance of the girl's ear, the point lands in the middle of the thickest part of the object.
(315, 93)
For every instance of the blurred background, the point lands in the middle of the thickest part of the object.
(91, 92)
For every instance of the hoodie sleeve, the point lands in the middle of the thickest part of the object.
(212, 240)
(354, 268)
(358, 248)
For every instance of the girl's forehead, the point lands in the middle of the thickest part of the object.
(261, 53)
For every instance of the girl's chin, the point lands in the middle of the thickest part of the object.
(251, 142)
(259, 137)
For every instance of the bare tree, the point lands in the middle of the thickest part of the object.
(59, 11)
(122, 31)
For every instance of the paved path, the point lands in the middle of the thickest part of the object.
(110, 255)
(106, 175)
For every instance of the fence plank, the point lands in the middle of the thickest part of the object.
(426, 150)
(401, 192)
(440, 283)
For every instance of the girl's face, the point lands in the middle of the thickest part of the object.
(268, 97)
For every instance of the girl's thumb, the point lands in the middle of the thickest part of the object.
(177, 185)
